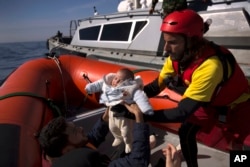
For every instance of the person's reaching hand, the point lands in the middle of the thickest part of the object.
(172, 157)
(133, 108)
(105, 116)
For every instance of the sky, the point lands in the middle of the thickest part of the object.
(37, 20)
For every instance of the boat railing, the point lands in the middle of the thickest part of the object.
(208, 5)
(131, 14)
(193, 4)
(87, 114)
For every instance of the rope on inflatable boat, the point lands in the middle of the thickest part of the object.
(47, 101)
(56, 60)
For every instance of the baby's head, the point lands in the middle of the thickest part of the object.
(122, 75)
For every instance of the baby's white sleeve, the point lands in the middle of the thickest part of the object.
(94, 86)
(142, 101)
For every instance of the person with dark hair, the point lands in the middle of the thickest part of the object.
(205, 74)
(59, 137)
(65, 144)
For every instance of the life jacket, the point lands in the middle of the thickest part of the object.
(228, 90)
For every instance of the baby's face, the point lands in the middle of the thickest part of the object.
(119, 78)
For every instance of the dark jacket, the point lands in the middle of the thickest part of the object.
(86, 157)
(140, 154)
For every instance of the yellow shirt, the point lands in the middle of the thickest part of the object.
(204, 81)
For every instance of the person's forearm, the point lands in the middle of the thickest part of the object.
(152, 89)
(140, 154)
(179, 114)
(98, 133)
(141, 148)
(165, 116)
(139, 118)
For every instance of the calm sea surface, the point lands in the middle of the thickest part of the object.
(14, 54)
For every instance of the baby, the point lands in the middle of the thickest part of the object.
(117, 88)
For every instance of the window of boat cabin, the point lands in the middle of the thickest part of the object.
(121, 31)
(116, 32)
(138, 27)
(90, 33)
(113, 32)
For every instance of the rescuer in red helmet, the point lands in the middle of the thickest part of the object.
(205, 74)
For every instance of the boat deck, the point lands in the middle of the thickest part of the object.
(207, 156)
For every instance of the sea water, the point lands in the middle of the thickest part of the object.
(12, 55)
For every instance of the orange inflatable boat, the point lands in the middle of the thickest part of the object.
(44, 88)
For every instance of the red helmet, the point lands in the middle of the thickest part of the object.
(186, 22)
